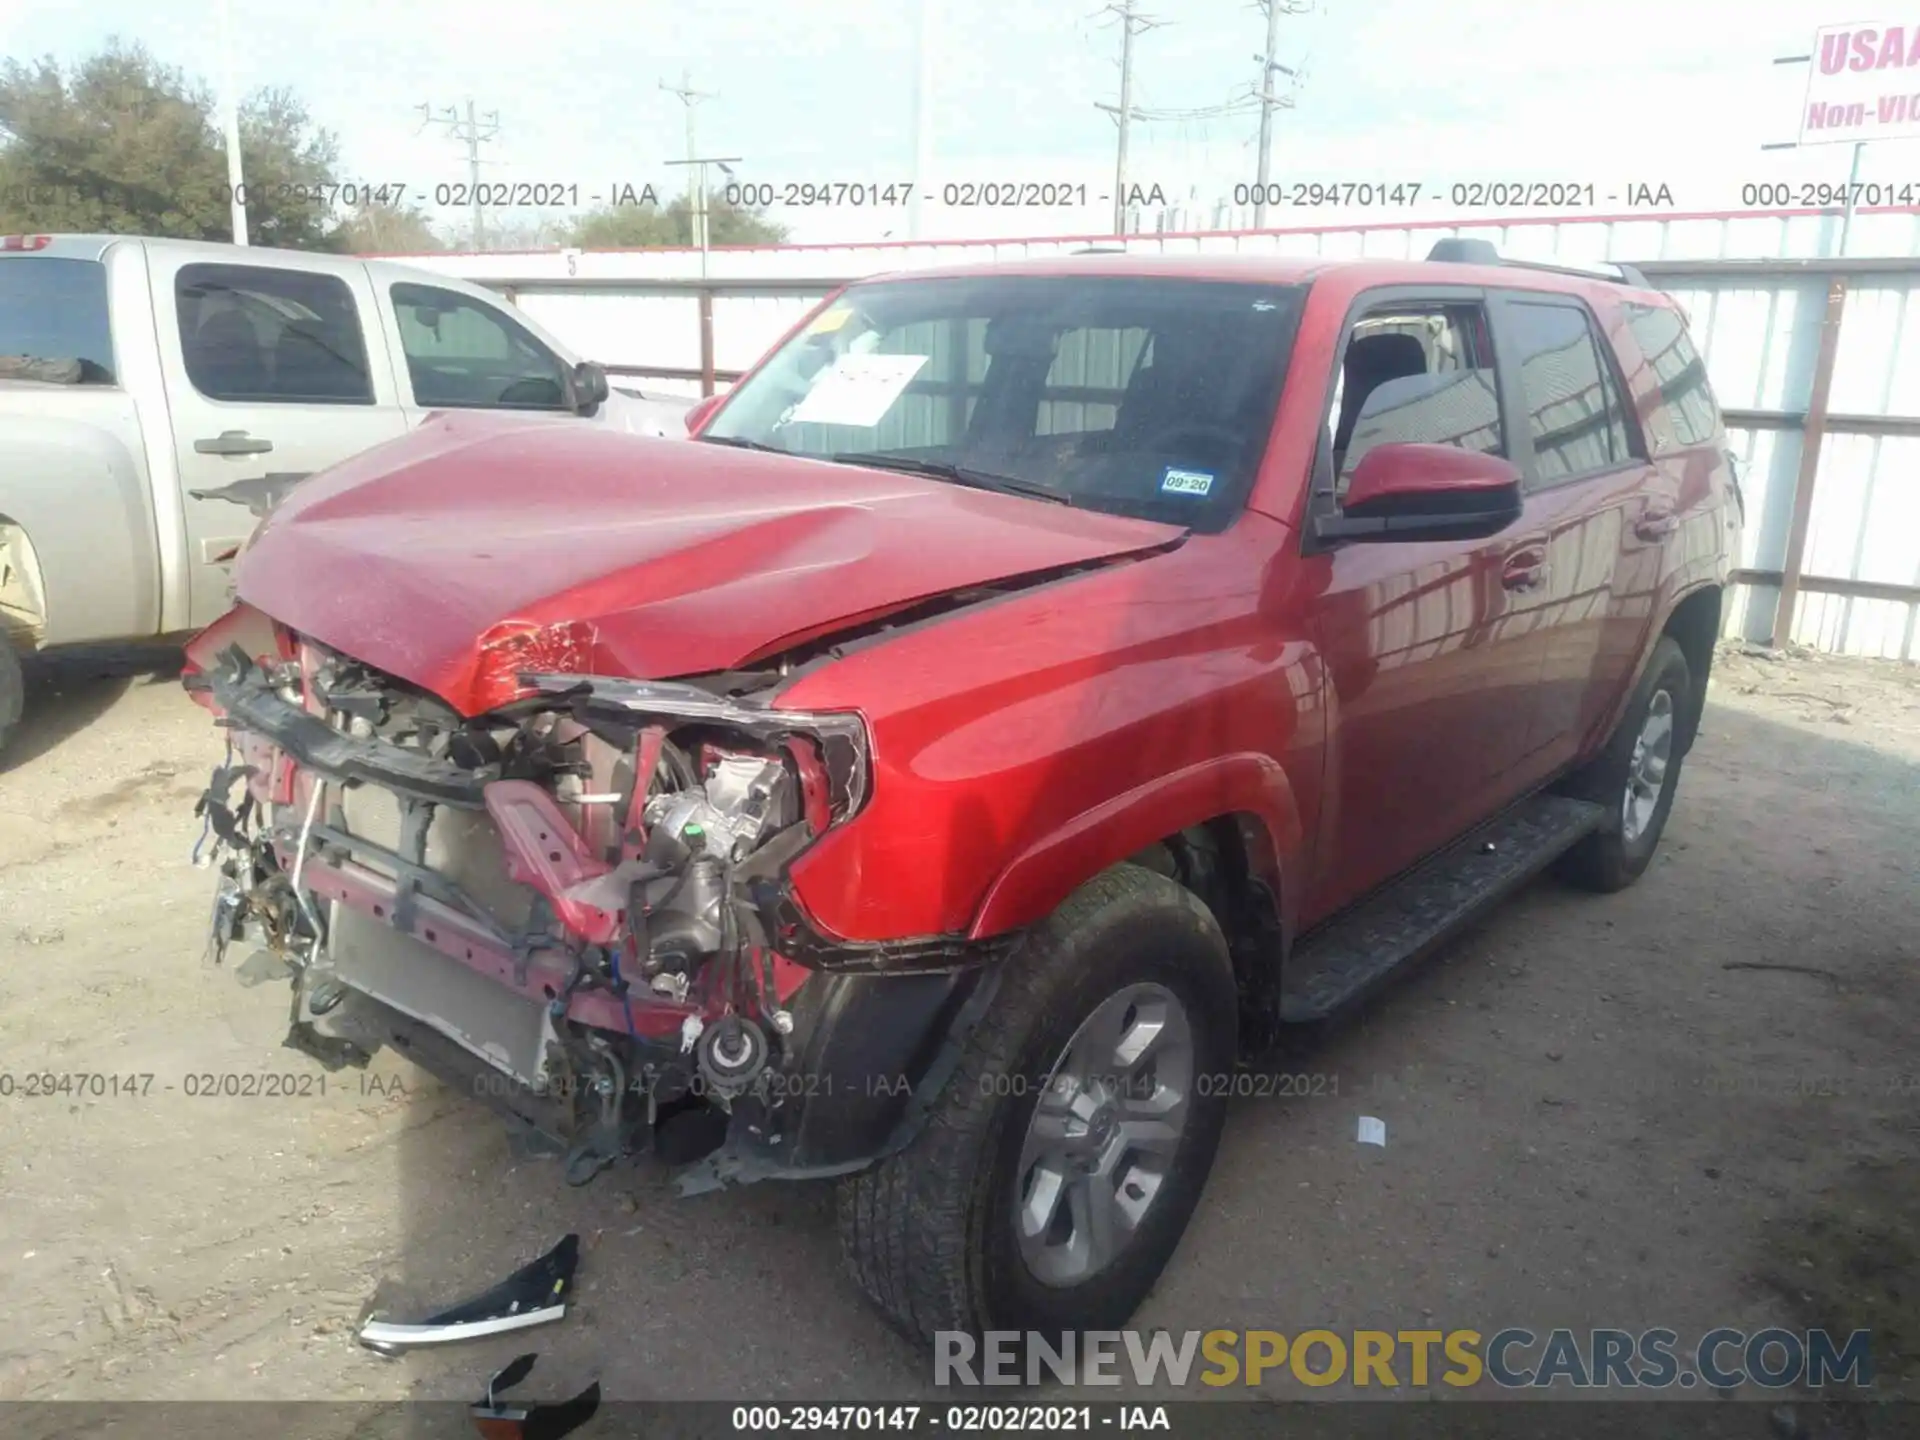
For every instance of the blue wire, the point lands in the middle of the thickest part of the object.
(626, 1007)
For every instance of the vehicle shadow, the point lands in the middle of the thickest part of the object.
(741, 1293)
(1571, 1084)
(69, 690)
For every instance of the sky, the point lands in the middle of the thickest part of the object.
(1673, 93)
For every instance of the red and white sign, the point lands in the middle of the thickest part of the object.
(1865, 84)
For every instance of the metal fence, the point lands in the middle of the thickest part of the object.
(1816, 362)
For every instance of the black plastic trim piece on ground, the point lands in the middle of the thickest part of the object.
(535, 1294)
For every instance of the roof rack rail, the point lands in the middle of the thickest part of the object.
(1463, 251)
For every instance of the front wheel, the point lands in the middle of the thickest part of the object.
(1635, 777)
(1056, 1174)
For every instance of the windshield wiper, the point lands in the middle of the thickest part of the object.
(958, 474)
(741, 443)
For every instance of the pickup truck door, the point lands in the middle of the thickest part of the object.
(455, 351)
(274, 366)
(1431, 660)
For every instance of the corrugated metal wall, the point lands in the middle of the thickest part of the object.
(1756, 289)
(1761, 341)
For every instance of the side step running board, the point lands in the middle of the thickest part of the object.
(1352, 954)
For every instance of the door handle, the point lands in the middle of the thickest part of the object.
(1656, 522)
(232, 442)
(1524, 570)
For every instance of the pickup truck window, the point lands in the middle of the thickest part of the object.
(1661, 334)
(257, 334)
(1415, 374)
(1574, 410)
(1137, 395)
(463, 354)
(54, 313)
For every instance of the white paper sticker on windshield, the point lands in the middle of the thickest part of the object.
(857, 389)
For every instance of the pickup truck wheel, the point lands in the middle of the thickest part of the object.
(1634, 777)
(1055, 1175)
(13, 691)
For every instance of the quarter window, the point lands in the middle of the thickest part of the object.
(1681, 374)
(249, 333)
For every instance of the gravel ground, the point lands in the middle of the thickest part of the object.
(1693, 1104)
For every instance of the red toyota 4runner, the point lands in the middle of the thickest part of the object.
(1036, 686)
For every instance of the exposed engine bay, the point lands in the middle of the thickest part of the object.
(571, 907)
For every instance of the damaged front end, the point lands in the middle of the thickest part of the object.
(572, 907)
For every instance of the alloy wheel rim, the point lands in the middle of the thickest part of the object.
(1104, 1135)
(1647, 767)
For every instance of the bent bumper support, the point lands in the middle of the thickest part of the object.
(866, 1044)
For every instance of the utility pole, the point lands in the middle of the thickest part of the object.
(1126, 115)
(1131, 23)
(697, 166)
(230, 117)
(470, 131)
(1269, 102)
(696, 195)
(922, 115)
(1853, 187)
(1853, 171)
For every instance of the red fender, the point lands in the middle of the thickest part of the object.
(1043, 875)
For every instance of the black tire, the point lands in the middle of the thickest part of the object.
(13, 691)
(1609, 859)
(929, 1233)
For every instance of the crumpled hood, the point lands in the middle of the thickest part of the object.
(651, 557)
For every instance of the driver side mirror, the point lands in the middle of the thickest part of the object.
(589, 387)
(1406, 491)
(702, 411)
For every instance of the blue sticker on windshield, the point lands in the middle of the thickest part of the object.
(1186, 482)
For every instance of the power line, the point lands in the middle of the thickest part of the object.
(468, 130)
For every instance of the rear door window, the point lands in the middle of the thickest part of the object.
(1575, 415)
(1415, 373)
(53, 320)
(1681, 374)
(261, 335)
(463, 354)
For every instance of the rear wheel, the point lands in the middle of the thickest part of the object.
(1635, 777)
(1055, 1176)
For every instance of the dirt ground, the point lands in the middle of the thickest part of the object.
(1693, 1104)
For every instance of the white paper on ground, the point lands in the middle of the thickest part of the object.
(857, 389)
(1373, 1130)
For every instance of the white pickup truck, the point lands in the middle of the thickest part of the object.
(140, 379)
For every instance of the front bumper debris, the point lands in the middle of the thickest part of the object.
(535, 1294)
(497, 1418)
